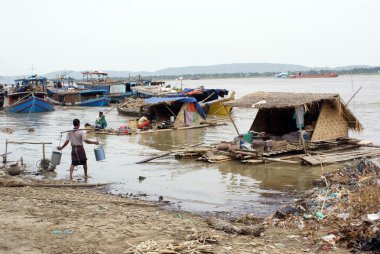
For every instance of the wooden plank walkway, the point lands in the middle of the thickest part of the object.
(326, 158)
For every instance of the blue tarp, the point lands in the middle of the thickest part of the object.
(218, 91)
(158, 100)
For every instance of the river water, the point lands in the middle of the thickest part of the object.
(226, 187)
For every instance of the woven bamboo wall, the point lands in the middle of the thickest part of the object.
(180, 118)
(330, 124)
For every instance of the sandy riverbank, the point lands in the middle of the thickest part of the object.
(67, 220)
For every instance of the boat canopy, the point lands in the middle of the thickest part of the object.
(220, 92)
(32, 80)
(159, 100)
(76, 91)
(94, 73)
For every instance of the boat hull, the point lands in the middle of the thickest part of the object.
(216, 107)
(130, 112)
(32, 104)
(97, 102)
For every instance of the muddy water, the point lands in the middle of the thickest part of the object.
(194, 186)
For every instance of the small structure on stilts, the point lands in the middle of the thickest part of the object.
(18, 167)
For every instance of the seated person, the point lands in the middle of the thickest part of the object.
(143, 123)
(101, 121)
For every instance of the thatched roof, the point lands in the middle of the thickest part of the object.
(266, 100)
(279, 99)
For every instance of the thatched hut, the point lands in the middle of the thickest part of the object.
(323, 116)
(185, 110)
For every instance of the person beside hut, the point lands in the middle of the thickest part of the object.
(101, 122)
(78, 154)
(143, 123)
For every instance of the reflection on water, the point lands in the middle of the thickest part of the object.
(225, 187)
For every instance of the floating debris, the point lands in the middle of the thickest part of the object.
(7, 130)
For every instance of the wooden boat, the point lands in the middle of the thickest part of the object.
(29, 96)
(1, 96)
(212, 100)
(116, 90)
(216, 107)
(131, 107)
(77, 97)
(156, 89)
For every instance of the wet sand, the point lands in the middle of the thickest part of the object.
(66, 220)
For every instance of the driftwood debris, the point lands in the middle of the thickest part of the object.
(280, 160)
(228, 227)
(165, 154)
(15, 183)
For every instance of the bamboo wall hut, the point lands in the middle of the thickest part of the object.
(323, 116)
(185, 110)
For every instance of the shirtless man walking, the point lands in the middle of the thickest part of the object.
(78, 155)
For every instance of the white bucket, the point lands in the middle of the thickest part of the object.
(172, 118)
(99, 153)
(56, 158)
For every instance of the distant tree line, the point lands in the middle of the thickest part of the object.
(356, 71)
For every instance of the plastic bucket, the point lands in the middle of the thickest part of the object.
(247, 137)
(99, 153)
(56, 158)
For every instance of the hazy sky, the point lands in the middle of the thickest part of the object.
(146, 35)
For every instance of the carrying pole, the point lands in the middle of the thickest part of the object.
(229, 115)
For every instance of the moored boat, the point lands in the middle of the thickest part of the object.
(131, 107)
(212, 100)
(311, 74)
(116, 90)
(28, 96)
(77, 97)
(314, 75)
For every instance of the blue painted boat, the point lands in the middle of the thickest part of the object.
(78, 97)
(28, 96)
(117, 90)
(32, 104)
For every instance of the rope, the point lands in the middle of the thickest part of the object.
(27, 116)
(43, 164)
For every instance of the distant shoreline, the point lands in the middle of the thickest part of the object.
(217, 76)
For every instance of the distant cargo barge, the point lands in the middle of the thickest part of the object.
(306, 75)
(316, 75)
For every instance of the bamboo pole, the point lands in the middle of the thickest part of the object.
(353, 95)
(88, 130)
(111, 109)
(229, 115)
(207, 97)
(26, 142)
(6, 151)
